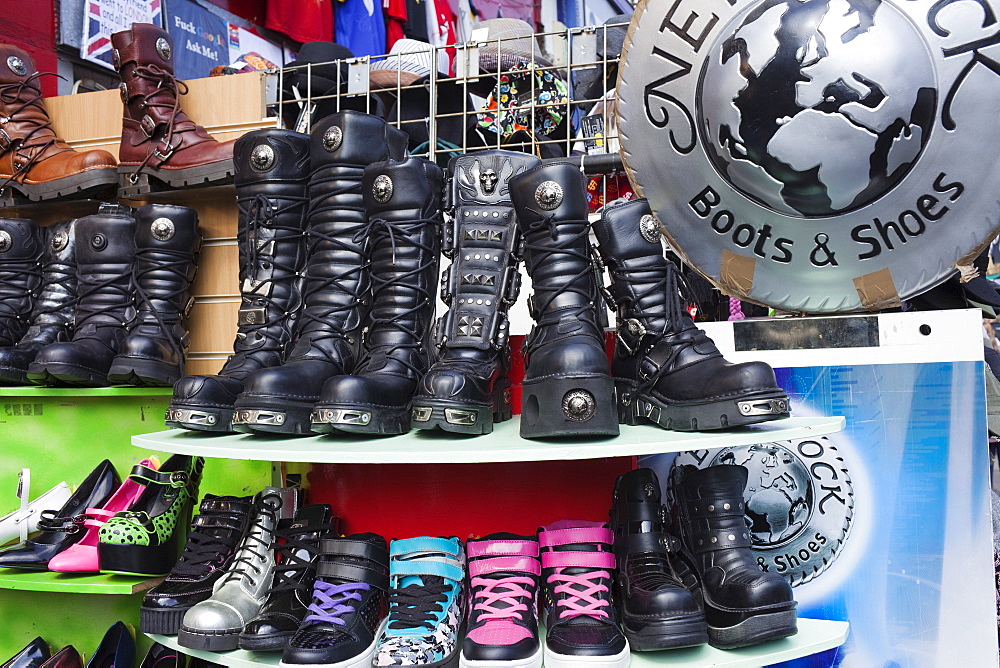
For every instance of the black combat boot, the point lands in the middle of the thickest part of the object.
(468, 388)
(52, 314)
(567, 388)
(327, 336)
(654, 590)
(743, 604)
(166, 241)
(21, 249)
(105, 253)
(403, 201)
(667, 370)
(272, 168)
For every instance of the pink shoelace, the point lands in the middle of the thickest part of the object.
(581, 589)
(505, 590)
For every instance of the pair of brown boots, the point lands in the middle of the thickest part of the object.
(159, 141)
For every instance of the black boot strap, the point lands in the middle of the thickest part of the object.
(354, 548)
(715, 508)
(657, 542)
(720, 539)
(375, 577)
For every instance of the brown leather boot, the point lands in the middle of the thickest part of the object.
(33, 160)
(158, 138)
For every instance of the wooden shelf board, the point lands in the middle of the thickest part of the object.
(503, 445)
(95, 583)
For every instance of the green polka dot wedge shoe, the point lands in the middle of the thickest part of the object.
(146, 538)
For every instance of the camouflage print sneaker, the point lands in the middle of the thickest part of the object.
(426, 604)
(146, 538)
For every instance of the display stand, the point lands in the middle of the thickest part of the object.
(74, 583)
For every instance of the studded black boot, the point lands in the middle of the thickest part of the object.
(403, 201)
(272, 169)
(655, 590)
(743, 605)
(666, 369)
(21, 247)
(52, 314)
(468, 388)
(105, 253)
(567, 387)
(327, 335)
(166, 241)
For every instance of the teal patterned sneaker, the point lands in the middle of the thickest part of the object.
(146, 539)
(426, 604)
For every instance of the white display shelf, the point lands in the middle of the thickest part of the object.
(815, 635)
(503, 445)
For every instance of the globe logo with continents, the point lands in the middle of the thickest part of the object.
(817, 107)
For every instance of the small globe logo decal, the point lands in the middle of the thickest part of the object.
(815, 109)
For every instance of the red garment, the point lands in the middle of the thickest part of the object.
(447, 28)
(395, 21)
(302, 20)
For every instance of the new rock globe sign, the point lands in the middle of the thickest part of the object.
(816, 155)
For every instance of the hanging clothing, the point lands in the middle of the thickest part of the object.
(360, 27)
(302, 20)
(416, 20)
(502, 114)
(395, 20)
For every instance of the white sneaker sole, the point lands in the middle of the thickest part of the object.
(620, 660)
(533, 661)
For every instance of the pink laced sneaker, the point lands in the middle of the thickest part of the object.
(502, 624)
(578, 568)
(81, 557)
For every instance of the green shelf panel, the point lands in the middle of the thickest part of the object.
(503, 445)
(74, 583)
(815, 635)
(85, 391)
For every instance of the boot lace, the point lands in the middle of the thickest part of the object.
(164, 80)
(54, 274)
(332, 601)
(417, 605)
(509, 591)
(257, 544)
(12, 286)
(87, 285)
(178, 268)
(206, 548)
(29, 145)
(580, 593)
(295, 558)
(260, 211)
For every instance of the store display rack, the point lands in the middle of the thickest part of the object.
(74, 583)
(85, 391)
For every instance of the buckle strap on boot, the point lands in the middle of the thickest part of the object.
(720, 539)
(354, 572)
(715, 507)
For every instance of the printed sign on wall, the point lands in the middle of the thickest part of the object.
(101, 18)
(199, 39)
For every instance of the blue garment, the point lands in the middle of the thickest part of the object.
(360, 27)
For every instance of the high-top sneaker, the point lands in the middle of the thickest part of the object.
(105, 253)
(502, 626)
(666, 369)
(33, 160)
(215, 624)
(52, 314)
(403, 201)
(166, 241)
(743, 604)
(653, 590)
(272, 168)
(348, 607)
(212, 540)
(426, 603)
(158, 139)
(296, 555)
(578, 569)
(567, 388)
(468, 388)
(327, 335)
(21, 249)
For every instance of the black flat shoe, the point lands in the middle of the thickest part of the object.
(32, 656)
(61, 528)
(117, 648)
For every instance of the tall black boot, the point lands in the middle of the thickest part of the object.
(21, 248)
(567, 388)
(166, 241)
(655, 590)
(272, 169)
(468, 388)
(105, 253)
(52, 314)
(743, 605)
(403, 201)
(327, 335)
(667, 370)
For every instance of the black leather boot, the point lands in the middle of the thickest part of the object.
(21, 248)
(567, 387)
(327, 336)
(668, 371)
(52, 314)
(272, 169)
(653, 589)
(468, 388)
(743, 605)
(403, 201)
(105, 253)
(166, 241)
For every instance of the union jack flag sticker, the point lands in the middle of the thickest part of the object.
(101, 18)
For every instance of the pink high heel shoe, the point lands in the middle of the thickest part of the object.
(82, 556)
